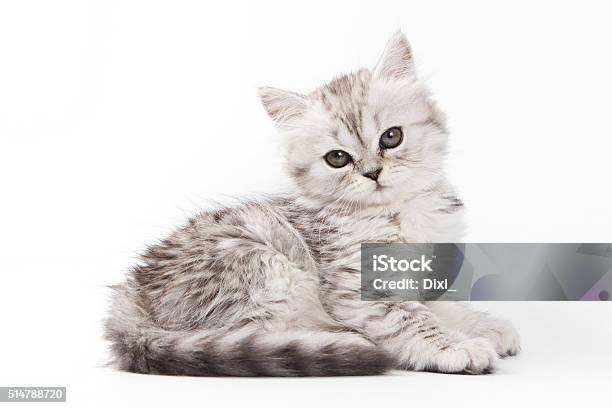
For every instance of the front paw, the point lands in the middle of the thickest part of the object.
(502, 335)
(471, 356)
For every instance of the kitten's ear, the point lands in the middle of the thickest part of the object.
(396, 61)
(282, 105)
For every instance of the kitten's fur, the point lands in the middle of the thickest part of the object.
(272, 287)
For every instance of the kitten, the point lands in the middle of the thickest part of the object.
(272, 288)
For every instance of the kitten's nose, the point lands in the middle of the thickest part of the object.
(373, 174)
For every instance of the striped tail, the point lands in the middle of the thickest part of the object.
(245, 352)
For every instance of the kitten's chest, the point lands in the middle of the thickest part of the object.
(399, 226)
(427, 218)
(372, 228)
(412, 224)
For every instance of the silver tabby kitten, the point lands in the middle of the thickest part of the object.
(272, 287)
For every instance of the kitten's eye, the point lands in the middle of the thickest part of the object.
(337, 158)
(391, 138)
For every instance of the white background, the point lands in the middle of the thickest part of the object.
(118, 119)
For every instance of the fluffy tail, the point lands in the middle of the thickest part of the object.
(138, 346)
(246, 352)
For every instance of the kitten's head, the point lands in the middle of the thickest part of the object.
(368, 138)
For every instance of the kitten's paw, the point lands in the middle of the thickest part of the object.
(471, 356)
(502, 335)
